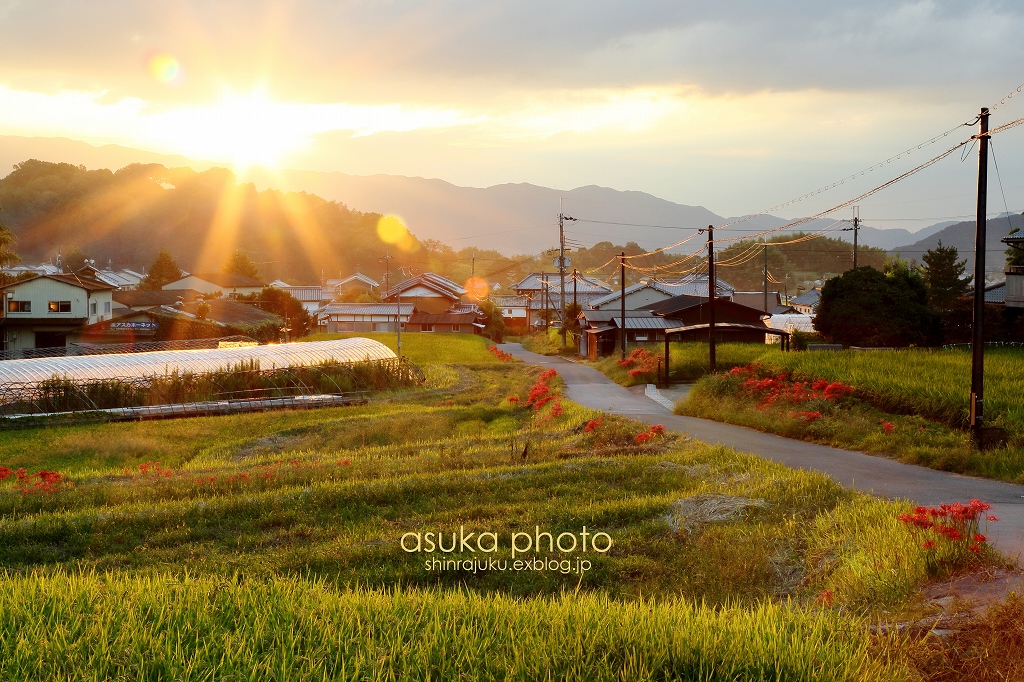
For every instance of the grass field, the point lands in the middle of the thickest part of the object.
(427, 349)
(908, 404)
(270, 546)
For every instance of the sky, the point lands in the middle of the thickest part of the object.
(735, 105)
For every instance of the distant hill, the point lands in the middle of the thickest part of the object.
(510, 218)
(961, 236)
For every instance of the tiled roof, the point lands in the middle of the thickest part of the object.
(87, 284)
(535, 282)
(305, 294)
(358, 277)
(810, 298)
(225, 311)
(227, 279)
(139, 298)
(995, 293)
(364, 309)
(691, 288)
(443, 286)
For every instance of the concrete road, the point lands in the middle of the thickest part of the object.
(868, 473)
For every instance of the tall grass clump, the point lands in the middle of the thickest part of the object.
(57, 625)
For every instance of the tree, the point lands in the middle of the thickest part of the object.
(8, 256)
(163, 271)
(944, 276)
(1015, 255)
(241, 264)
(494, 323)
(864, 307)
(572, 315)
(285, 306)
(74, 260)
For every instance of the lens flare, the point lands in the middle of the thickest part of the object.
(164, 68)
(392, 230)
(476, 288)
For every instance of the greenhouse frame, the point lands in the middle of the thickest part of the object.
(87, 368)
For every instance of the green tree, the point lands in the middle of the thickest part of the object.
(74, 260)
(1015, 255)
(241, 264)
(285, 306)
(8, 256)
(163, 271)
(494, 323)
(864, 307)
(944, 276)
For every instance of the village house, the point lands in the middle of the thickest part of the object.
(229, 285)
(429, 293)
(363, 317)
(43, 311)
(358, 283)
(311, 298)
(807, 302)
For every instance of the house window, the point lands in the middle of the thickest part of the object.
(19, 306)
(92, 308)
(59, 306)
(426, 327)
(106, 307)
(456, 328)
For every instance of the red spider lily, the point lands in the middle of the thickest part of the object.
(593, 424)
(975, 549)
(658, 429)
(991, 518)
(928, 544)
(345, 462)
(547, 375)
(826, 598)
(888, 427)
(643, 437)
(979, 537)
(556, 409)
(21, 474)
(513, 399)
(5, 473)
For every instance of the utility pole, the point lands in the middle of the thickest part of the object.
(472, 268)
(561, 265)
(856, 228)
(622, 302)
(712, 295)
(765, 250)
(978, 339)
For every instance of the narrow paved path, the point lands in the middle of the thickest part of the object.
(867, 473)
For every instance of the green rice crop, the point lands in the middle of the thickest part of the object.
(60, 626)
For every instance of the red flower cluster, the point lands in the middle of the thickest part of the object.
(640, 361)
(646, 436)
(540, 393)
(888, 427)
(593, 424)
(500, 354)
(40, 482)
(780, 388)
(514, 399)
(955, 522)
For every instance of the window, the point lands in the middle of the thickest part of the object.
(106, 307)
(59, 306)
(92, 308)
(456, 328)
(19, 306)
(426, 327)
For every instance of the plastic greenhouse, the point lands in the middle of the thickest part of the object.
(162, 363)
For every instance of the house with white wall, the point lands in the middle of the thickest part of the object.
(40, 312)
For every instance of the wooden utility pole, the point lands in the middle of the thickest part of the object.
(978, 338)
(856, 229)
(712, 295)
(765, 249)
(622, 302)
(561, 265)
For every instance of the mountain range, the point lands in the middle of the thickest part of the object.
(511, 218)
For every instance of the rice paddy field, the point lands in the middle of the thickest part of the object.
(332, 545)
